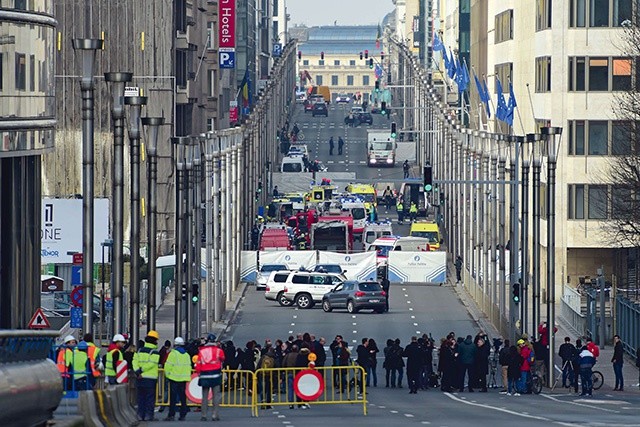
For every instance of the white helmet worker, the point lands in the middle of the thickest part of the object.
(178, 341)
(119, 338)
(69, 338)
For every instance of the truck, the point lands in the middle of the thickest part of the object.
(275, 239)
(331, 235)
(320, 90)
(381, 148)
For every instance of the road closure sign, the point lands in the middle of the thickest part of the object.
(308, 384)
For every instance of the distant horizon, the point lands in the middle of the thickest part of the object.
(351, 13)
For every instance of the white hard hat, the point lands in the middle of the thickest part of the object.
(69, 338)
(178, 341)
(119, 338)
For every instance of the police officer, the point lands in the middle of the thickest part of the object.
(413, 211)
(400, 210)
(177, 370)
(331, 145)
(114, 355)
(145, 365)
(209, 367)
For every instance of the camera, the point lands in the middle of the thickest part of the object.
(497, 343)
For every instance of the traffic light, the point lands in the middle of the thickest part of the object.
(259, 190)
(427, 177)
(377, 85)
(299, 54)
(516, 293)
(184, 292)
(360, 55)
(394, 130)
(370, 62)
(195, 292)
(366, 54)
(383, 108)
(381, 56)
(322, 55)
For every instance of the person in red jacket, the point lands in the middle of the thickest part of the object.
(593, 348)
(209, 368)
(544, 333)
(525, 368)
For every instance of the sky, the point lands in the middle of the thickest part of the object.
(345, 12)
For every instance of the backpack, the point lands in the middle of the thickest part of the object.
(531, 358)
(266, 362)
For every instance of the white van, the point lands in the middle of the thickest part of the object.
(375, 230)
(292, 164)
(384, 245)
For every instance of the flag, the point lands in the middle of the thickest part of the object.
(508, 118)
(453, 65)
(483, 93)
(501, 109)
(437, 44)
(462, 76)
(447, 63)
(487, 97)
(245, 90)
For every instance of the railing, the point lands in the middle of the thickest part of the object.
(628, 324)
(571, 310)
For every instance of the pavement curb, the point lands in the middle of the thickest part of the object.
(222, 328)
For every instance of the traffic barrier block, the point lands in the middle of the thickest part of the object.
(120, 392)
(87, 407)
(116, 416)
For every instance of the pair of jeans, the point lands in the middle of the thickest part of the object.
(512, 385)
(617, 370)
(523, 383)
(586, 375)
(400, 372)
(466, 369)
(567, 373)
(372, 376)
(217, 398)
(178, 394)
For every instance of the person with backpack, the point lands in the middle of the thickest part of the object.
(397, 364)
(525, 369)
(587, 360)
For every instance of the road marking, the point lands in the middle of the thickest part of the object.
(426, 422)
(418, 332)
(293, 324)
(290, 332)
(495, 408)
(355, 332)
(579, 404)
(413, 317)
(408, 415)
(394, 412)
(410, 309)
(354, 323)
(406, 296)
(295, 317)
(415, 324)
(353, 316)
(408, 302)
(404, 289)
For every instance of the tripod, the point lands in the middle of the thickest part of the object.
(564, 365)
(493, 368)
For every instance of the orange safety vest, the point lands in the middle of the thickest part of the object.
(210, 358)
(61, 361)
(93, 351)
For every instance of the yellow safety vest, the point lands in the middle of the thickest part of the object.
(108, 369)
(413, 208)
(146, 360)
(79, 364)
(178, 366)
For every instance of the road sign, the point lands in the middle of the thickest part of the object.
(108, 304)
(277, 49)
(76, 317)
(194, 391)
(227, 58)
(39, 320)
(308, 384)
(77, 258)
(76, 296)
(122, 373)
(76, 275)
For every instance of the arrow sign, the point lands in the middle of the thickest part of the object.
(39, 320)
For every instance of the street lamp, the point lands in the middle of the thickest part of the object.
(550, 136)
(197, 233)
(180, 144)
(527, 148)
(135, 103)
(515, 143)
(502, 160)
(153, 127)
(188, 236)
(118, 82)
(108, 243)
(88, 49)
(537, 165)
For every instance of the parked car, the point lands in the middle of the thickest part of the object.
(343, 98)
(365, 118)
(308, 105)
(265, 272)
(355, 296)
(274, 288)
(330, 268)
(320, 109)
(307, 288)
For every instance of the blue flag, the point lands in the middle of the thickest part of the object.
(447, 63)
(453, 65)
(487, 98)
(481, 93)
(508, 119)
(437, 44)
(462, 76)
(501, 109)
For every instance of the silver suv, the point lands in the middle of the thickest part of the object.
(307, 288)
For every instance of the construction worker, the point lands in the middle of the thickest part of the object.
(209, 367)
(145, 365)
(80, 366)
(177, 370)
(413, 211)
(400, 210)
(114, 355)
(64, 358)
(94, 358)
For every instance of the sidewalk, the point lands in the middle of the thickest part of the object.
(165, 316)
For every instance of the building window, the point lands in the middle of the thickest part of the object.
(1, 70)
(321, 62)
(21, 71)
(600, 13)
(600, 137)
(576, 137)
(365, 81)
(597, 201)
(334, 80)
(305, 62)
(577, 13)
(211, 83)
(599, 74)
(543, 14)
(352, 62)
(503, 72)
(504, 26)
(181, 68)
(211, 124)
(319, 80)
(598, 141)
(21, 4)
(32, 73)
(210, 34)
(621, 78)
(622, 202)
(621, 137)
(576, 201)
(622, 11)
(543, 74)
(336, 62)
(180, 15)
(349, 80)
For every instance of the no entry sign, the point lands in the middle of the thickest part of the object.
(308, 384)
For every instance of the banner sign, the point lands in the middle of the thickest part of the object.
(418, 267)
(357, 266)
(227, 23)
(248, 266)
(293, 259)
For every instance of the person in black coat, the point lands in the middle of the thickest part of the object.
(514, 362)
(447, 365)
(426, 345)
(481, 364)
(617, 360)
(413, 353)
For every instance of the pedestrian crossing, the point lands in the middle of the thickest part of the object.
(346, 162)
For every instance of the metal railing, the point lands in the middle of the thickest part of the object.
(628, 324)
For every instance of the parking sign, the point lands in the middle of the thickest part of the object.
(277, 49)
(227, 58)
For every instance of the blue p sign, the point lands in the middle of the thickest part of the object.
(227, 59)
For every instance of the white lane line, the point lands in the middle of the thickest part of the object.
(354, 323)
(408, 415)
(415, 324)
(426, 422)
(353, 316)
(290, 332)
(410, 309)
(580, 404)
(406, 296)
(519, 414)
(394, 412)
(413, 317)
(293, 324)
(418, 332)
(404, 289)
(408, 302)
(355, 332)
(281, 416)
(295, 317)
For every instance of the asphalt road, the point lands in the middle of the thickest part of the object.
(414, 310)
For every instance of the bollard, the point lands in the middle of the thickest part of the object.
(120, 392)
(87, 407)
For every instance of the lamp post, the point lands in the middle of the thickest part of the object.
(118, 82)
(188, 236)
(207, 147)
(153, 127)
(197, 239)
(179, 144)
(526, 166)
(108, 243)
(549, 134)
(502, 160)
(514, 154)
(535, 273)
(135, 103)
(88, 49)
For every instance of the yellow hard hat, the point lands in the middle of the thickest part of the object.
(194, 359)
(520, 342)
(154, 334)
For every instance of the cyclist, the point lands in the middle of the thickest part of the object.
(587, 360)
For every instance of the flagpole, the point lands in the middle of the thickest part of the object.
(533, 113)
(496, 123)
